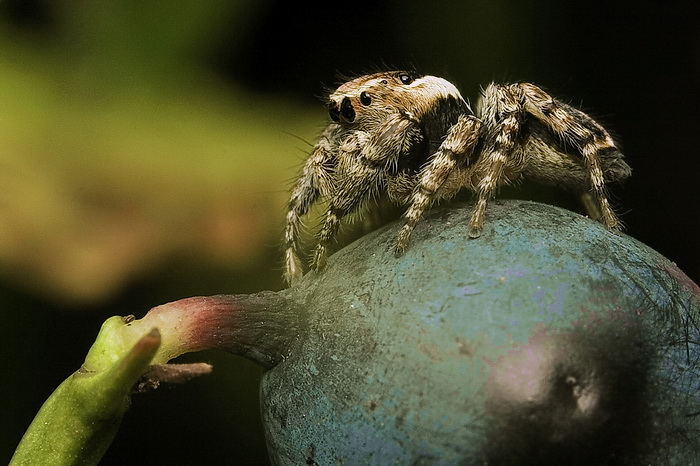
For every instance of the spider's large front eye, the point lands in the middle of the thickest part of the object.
(333, 111)
(346, 110)
(365, 99)
(405, 78)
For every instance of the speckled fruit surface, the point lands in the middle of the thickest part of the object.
(548, 340)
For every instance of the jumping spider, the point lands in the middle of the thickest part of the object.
(416, 139)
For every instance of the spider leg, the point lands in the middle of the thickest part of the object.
(330, 228)
(451, 155)
(312, 182)
(590, 205)
(590, 151)
(502, 114)
(577, 129)
(360, 174)
(356, 189)
(395, 137)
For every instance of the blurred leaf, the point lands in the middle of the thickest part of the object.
(119, 149)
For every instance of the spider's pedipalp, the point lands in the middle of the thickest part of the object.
(360, 170)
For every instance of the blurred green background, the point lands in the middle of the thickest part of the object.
(147, 149)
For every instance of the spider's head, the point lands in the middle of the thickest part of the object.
(367, 100)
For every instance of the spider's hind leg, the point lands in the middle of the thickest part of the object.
(599, 207)
(591, 207)
(594, 145)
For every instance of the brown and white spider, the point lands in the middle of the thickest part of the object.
(416, 139)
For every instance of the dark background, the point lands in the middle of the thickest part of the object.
(635, 66)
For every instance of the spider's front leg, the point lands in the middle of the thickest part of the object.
(454, 153)
(312, 183)
(360, 173)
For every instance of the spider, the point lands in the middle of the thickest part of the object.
(416, 139)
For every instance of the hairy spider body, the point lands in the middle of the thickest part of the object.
(416, 139)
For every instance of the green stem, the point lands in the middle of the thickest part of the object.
(79, 420)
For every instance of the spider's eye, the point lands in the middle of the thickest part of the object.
(405, 78)
(347, 111)
(365, 99)
(333, 111)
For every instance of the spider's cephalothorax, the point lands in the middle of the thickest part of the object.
(416, 139)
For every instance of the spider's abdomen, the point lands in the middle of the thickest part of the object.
(551, 161)
(614, 166)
